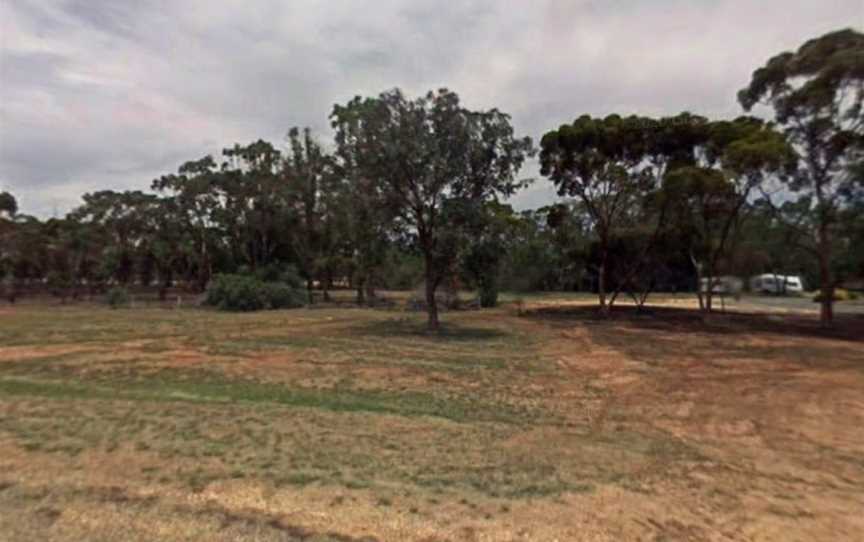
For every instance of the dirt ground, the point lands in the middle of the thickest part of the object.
(534, 421)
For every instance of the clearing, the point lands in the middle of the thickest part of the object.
(346, 424)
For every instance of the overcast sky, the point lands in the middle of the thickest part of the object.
(99, 94)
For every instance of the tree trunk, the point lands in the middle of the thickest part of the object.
(361, 292)
(432, 323)
(309, 291)
(826, 312)
(698, 269)
(328, 284)
(601, 283)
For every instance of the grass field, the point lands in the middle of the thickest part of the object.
(350, 424)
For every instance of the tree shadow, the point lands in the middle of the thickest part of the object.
(678, 320)
(412, 328)
(680, 337)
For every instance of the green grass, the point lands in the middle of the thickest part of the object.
(208, 388)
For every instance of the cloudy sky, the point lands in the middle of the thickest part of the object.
(111, 93)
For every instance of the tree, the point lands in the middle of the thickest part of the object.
(430, 156)
(307, 172)
(708, 195)
(121, 217)
(816, 93)
(613, 167)
(488, 245)
(253, 203)
(8, 205)
(8, 210)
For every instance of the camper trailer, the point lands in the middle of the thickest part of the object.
(770, 283)
(725, 285)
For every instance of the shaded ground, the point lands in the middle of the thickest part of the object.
(352, 424)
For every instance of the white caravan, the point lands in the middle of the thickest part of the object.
(769, 283)
(725, 285)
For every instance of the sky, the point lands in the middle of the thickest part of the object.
(110, 94)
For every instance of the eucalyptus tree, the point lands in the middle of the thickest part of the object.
(613, 167)
(24, 255)
(366, 223)
(8, 210)
(709, 195)
(194, 191)
(309, 184)
(120, 216)
(817, 93)
(8, 205)
(493, 235)
(432, 158)
(253, 203)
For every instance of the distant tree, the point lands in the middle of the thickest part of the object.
(709, 195)
(613, 167)
(121, 217)
(310, 184)
(433, 159)
(8, 205)
(492, 237)
(817, 93)
(195, 194)
(8, 210)
(253, 203)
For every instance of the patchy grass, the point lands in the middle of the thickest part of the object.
(355, 424)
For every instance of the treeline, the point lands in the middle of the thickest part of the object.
(410, 194)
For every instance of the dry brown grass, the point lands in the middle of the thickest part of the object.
(352, 424)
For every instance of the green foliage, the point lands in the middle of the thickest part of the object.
(430, 159)
(816, 95)
(118, 297)
(247, 293)
(482, 264)
(285, 274)
(8, 204)
(283, 296)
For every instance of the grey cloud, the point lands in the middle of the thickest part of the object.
(106, 94)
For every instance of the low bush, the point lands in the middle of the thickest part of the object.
(247, 293)
(840, 294)
(488, 293)
(284, 296)
(118, 297)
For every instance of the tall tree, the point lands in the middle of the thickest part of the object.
(307, 173)
(613, 166)
(122, 218)
(817, 93)
(431, 156)
(709, 195)
(194, 191)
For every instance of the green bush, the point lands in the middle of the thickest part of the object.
(284, 296)
(247, 293)
(488, 293)
(286, 274)
(118, 297)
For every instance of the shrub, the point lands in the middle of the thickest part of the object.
(283, 296)
(488, 293)
(118, 297)
(286, 274)
(236, 293)
(840, 294)
(247, 293)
